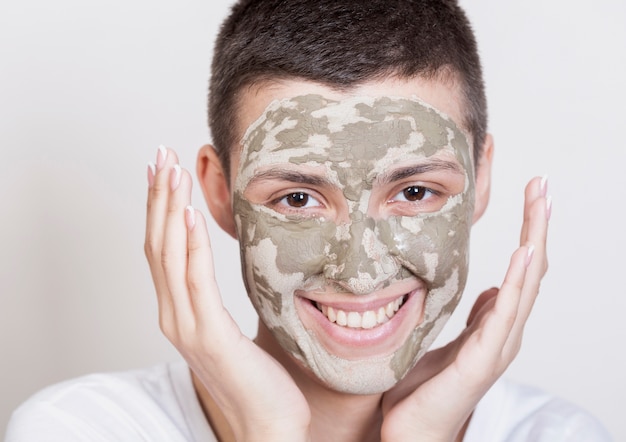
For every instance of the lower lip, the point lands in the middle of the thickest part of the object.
(381, 335)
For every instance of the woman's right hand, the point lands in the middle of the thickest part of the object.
(191, 315)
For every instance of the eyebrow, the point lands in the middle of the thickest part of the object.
(430, 166)
(290, 175)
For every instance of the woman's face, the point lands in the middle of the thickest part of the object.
(353, 217)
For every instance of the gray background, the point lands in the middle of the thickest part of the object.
(89, 89)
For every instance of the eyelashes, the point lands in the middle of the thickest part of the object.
(414, 193)
(299, 200)
(409, 200)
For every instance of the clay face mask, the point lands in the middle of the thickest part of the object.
(347, 151)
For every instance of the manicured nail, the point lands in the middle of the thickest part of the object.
(190, 217)
(549, 207)
(151, 173)
(544, 185)
(529, 255)
(175, 177)
(161, 156)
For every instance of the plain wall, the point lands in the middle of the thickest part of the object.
(88, 90)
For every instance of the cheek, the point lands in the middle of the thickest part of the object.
(277, 258)
(303, 246)
(277, 254)
(432, 247)
(264, 282)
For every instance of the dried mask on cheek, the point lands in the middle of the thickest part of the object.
(352, 141)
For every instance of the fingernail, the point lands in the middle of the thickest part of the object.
(151, 173)
(549, 207)
(175, 177)
(529, 255)
(544, 185)
(190, 217)
(161, 156)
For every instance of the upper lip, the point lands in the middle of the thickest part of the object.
(361, 303)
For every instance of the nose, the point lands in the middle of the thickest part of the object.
(361, 262)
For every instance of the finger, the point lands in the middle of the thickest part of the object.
(174, 252)
(537, 208)
(537, 231)
(201, 274)
(203, 290)
(536, 188)
(500, 323)
(158, 197)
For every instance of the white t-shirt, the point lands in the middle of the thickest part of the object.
(160, 404)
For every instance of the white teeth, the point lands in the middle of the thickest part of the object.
(342, 318)
(367, 319)
(332, 316)
(381, 317)
(354, 320)
(389, 309)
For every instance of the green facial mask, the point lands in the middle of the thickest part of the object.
(353, 141)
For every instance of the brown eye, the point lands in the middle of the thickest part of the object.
(414, 193)
(297, 199)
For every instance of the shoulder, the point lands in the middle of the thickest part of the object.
(514, 412)
(149, 404)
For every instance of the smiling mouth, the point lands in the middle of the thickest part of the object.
(365, 320)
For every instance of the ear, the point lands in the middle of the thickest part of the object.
(483, 179)
(215, 188)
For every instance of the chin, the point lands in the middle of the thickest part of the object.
(372, 375)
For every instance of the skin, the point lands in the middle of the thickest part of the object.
(431, 403)
(362, 239)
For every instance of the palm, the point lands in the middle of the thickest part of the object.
(437, 397)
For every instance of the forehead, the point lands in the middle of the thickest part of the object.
(254, 101)
(368, 133)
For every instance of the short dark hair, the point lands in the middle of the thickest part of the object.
(342, 43)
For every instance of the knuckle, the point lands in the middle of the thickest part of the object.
(167, 259)
(194, 284)
(172, 208)
(150, 248)
(194, 246)
(158, 191)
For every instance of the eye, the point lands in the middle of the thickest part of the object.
(299, 200)
(413, 193)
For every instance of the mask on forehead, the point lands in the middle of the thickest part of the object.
(353, 141)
